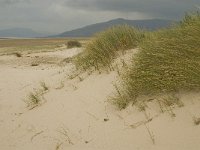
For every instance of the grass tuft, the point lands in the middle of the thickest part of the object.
(44, 86)
(17, 54)
(34, 99)
(34, 64)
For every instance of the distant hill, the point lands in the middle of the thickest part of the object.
(90, 30)
(20, 33)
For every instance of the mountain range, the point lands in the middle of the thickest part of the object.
(87, 31)
(20, 33)
(90, 30)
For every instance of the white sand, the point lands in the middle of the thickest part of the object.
(72, 116)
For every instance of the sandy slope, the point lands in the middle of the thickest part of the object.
(76, 115)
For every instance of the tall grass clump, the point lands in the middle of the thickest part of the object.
(105, 47)
(168, 61)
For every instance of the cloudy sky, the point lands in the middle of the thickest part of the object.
(60, 15)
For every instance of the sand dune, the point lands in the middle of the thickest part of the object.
(75, 114)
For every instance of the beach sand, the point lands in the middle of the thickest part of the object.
(75, 114)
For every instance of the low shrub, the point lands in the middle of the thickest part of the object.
(73, 43)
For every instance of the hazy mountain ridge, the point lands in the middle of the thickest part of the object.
(87, 31)
(20, 32)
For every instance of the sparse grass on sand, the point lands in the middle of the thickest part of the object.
(107, 46)
(44, 86)
(168, 61)
(36, 98)
(11, 46)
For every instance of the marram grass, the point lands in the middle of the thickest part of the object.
(168, 61)
(106, 46)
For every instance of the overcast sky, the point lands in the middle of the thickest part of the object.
(62, 15)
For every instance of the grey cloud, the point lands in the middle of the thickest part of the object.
(61, 15)
(13, 2)
(162, 8)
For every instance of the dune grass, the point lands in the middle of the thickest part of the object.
(106, 46)
(168, 61)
